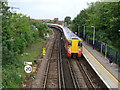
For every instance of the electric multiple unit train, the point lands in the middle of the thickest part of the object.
(73, 44)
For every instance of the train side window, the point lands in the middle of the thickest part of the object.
(69, 43)
(79, 43)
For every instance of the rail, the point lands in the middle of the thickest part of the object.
(75, 82)
(48, 64)
(61, 75)
(86, 76)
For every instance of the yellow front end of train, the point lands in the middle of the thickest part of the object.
(74, 48)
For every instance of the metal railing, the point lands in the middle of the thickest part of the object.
(105, 49)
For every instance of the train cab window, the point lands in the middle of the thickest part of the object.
(79, 43)
(69, 43)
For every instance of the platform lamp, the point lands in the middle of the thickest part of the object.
(84, 31)
(78, 28)
(93, 35)
(14, 8)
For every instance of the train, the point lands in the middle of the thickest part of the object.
(73, 44)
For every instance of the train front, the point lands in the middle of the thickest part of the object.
(73, 43)
(74, 48)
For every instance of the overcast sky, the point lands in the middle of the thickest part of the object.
(49, 9)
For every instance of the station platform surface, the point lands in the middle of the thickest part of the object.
(109, 74)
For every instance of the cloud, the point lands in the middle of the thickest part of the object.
(49, 8)
(48, 1)
(53, 1)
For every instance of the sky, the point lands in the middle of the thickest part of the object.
(49, 9)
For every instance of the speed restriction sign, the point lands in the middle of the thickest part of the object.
(28, 69)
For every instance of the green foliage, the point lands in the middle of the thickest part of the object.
(67, 19)
(42, 27)
(18, 32)
(105, 16)
(13, 75)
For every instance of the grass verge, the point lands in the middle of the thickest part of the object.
(14, 74)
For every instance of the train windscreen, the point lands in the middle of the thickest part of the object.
(79, 43)
(69, 43)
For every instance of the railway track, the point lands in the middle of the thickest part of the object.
(73, 76)
(82, 78)
(96, 82)
(60, 68)
(52, 73)
(77, 74)
(86, 77)
(55, 63)
(80, 75)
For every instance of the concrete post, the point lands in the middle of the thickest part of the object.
(101, 47)
(105, 50)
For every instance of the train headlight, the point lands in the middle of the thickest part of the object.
(69, 50)
(79, 50)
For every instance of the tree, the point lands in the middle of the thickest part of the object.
(67, 19)
(18, 31)
(105, 16)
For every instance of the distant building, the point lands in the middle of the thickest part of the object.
(49, 21)
(55, 19)
(42, 20)
(60, 22)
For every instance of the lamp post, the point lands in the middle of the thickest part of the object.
(14, 8)
(93, 35)
(78, 28)
(84, 31)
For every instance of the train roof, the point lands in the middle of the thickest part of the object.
(67, 32)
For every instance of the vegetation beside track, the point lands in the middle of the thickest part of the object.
(100, 19)
(13, 74)
(22, 40)
(105, 17)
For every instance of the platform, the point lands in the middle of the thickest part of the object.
(109, 74)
